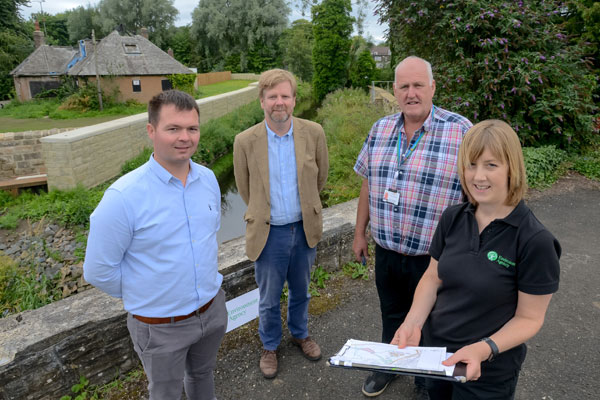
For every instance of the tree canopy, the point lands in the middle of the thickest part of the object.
(332, 26)
(155, 15)
(241, 34)
(15, 43)
(296, 45)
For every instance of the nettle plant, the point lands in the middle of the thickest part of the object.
(508, 60)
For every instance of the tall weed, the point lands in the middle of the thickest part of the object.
(347, 116)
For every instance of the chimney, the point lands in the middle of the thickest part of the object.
(170, 52)
(38, 36)
(144, 32)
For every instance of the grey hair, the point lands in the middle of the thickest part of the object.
(427, 65)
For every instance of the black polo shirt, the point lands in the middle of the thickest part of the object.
(481, 275)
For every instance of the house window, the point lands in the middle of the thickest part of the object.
(131, 48)
(166, 84)
(137, 85)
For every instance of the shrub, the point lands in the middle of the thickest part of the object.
(86, 98)
(347, 115)
(502, 59)
(183, 82)
(588, 164)
(544, 165)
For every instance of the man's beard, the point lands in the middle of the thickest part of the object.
(276, 117)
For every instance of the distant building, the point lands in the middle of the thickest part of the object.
(133, 64)
(382, 56)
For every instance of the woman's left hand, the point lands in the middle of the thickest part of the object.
(472, 355)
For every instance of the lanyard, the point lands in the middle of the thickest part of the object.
(412, 148)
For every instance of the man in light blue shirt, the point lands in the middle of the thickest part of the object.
(153, 243)
(280, 167)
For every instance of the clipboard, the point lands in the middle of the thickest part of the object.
(382, 357)
(459, 374)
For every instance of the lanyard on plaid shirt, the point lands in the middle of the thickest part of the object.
(412, 148)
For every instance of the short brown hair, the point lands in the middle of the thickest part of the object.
(502, 141)
(274, 77)
(181, 100)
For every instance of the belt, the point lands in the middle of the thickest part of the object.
(170, 320)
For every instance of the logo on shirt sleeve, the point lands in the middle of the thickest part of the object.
(495, 257)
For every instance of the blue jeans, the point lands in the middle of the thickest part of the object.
(286, 256)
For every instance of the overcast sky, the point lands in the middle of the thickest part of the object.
(185, 8)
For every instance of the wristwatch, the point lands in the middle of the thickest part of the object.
(493, 346)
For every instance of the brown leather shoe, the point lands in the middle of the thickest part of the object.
(310, 348)
(268, 364)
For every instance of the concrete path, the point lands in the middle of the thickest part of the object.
(563, 360)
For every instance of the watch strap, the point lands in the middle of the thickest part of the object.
(493, 346)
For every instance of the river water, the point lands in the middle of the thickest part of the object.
(232, 210)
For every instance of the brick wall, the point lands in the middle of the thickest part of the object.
(21, 153)
(94, 154)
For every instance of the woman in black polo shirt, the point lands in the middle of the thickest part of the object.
(493, 270)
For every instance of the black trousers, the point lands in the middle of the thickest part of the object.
(396, 278)
(473, 390)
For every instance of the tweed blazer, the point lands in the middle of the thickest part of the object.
(251, 169)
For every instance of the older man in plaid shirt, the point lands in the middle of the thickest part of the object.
(408, 163)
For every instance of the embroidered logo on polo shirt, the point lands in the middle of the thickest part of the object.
(493, 256)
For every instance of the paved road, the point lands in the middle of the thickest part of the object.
(563, 360)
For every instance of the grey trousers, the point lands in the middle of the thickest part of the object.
(182, 354)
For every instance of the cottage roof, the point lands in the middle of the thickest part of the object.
(127, 55)
(46, 60)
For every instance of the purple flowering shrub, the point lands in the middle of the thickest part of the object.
(508, 60)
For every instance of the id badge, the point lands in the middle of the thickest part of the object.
(391, 196)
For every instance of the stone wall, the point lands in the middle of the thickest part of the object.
(94, 154)
(43, 352)
(385, 99)
(245, 77)
(21, 153)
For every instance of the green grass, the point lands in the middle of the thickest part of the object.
(21, 288)
(347, 116)
(221, 87)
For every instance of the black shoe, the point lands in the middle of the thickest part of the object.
(376, 383)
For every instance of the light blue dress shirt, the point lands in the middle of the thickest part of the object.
(283, 178)
(153, 242)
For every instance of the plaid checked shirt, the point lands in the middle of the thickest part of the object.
(427, 180)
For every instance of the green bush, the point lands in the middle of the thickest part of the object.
(217, 135)
(183, 82)
(544, 165)
(347, 115)
(501, 59)
(588, 164)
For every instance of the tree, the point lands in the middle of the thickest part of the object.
(242, 34)
(81, 21)
(363, 71)
(296, 44)
(54, 27)
(155, 15)
(332, 26)
(500, 59)
(15, 43)
(179, 39)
